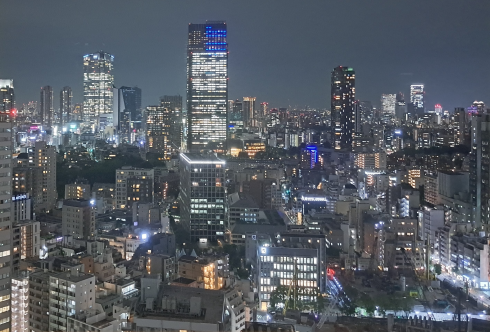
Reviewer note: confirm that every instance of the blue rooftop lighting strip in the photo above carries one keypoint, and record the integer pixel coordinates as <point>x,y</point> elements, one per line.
<point>216,39</point>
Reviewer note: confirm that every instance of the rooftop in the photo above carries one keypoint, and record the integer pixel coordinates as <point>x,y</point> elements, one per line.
<point>196,158</point>
<point>211,305</point>
<point>257,228</point>
<point>241,200</point>
<point>184,281</point>
<point>71,277</point>
<point>76,202</point>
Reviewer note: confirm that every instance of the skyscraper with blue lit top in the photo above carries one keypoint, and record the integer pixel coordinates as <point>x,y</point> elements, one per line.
<point>207,86</point>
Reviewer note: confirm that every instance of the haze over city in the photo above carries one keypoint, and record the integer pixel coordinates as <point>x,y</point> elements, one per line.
<point>281,52</point>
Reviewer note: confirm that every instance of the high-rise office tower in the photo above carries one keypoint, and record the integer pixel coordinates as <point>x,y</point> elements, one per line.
<point>417,98</point>
<point>45,157</point>
<point>357,117</point>
<point>388,103</point>
<point>66,97</point>
<point>480,171</point>
<point>5,220</point>
<point>158,123</point>
<point>7,97</point>
<point>132,101</point>
<point>400,107</point>
<point>438,109</point>
<point>264,107</point>
<point>248,109</point>
<point>121,119</point>
<point>235,115</point>
<point>98,81</point>
<point>46,102</point>
<point>343,93</point>
<point>77,112</point>
<point>207,86</point>
<point>366,111</point>
<point>174,105</point>
<point>462,126</point>
<point>202,196</point>
<point>479,105</point>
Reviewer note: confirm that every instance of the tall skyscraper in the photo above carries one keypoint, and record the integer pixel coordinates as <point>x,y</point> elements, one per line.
<point>462,126</point>
<point>480,171</point>
<point>174,105</point>
<point>417,98</point>
<point>46,102</point>
<point>249,111</point>
<point>207,85</point>
<point>157,125</point>
<point>45,157</point>
<point>98,81</point>
<point>357,117</point>
<point>5,220</point>
<point>438,109</point>
<point>203,196</point>
<point>132,101</point>
<point>66,97</point>
<point>366,111</point>
<point>479,105</point>
<point>7,97</point>
<point>264,108</point>
<point>400,107</point>
<point>343,93</point>
<point>388,103</point>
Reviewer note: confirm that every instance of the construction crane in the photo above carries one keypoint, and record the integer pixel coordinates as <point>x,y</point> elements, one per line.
<point>293,282</point>
<point>327,312</point>
<point>417,277</point>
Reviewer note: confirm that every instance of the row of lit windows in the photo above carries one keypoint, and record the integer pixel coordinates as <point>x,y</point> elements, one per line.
<point>289,259</point>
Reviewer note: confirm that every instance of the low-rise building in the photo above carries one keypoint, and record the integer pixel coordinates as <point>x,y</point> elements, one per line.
<point>212,271</point>
<point>77,191</point>
<point>163,265</point>
<point>193,309</point>
<point>104,266</point>
<point>242,209</point>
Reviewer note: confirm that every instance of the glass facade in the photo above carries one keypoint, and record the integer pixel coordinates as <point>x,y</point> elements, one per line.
<point>203,196</point>
<point>46,102</point>
<point>207,86</point>
<point>132,101</point>
<point>277,268</point>
<point>7,100</point>
<point>98,82</point>
<point>66,97</point>
<point>157,128</point>
<point>174,104</point>
<point>342,107</point>
<point>417,97</point>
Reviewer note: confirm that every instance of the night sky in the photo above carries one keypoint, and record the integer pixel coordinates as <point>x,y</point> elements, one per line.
<point>280,51</point>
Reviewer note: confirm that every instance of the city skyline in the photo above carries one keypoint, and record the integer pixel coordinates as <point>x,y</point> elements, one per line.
<point>219,166</point>
<point>258,65</point>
